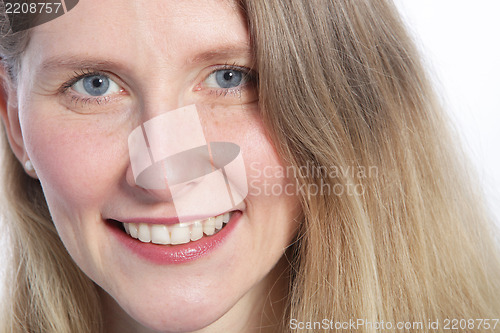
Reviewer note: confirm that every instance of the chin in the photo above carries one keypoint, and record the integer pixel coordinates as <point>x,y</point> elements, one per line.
<point>179,316</point>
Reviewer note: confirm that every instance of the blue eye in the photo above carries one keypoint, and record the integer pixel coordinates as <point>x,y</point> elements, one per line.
<point>96,85</point>
<point>226,79</point>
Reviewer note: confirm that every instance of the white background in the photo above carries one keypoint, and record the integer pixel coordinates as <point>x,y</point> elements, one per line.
<point>460,40</point>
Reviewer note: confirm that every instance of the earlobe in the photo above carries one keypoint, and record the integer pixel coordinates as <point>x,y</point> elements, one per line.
<point>10,116</point>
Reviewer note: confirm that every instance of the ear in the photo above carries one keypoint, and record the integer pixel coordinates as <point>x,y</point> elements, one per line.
<point>10,116</point>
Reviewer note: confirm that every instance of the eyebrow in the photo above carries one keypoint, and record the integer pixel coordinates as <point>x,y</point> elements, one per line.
<point>77,62</point>
<point>74,62</point>
<point>240,51</point>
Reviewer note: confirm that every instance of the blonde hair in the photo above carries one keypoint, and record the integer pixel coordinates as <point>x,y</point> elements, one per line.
<point>341,85</point>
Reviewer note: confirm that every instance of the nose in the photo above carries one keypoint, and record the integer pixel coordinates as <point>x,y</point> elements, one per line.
<point>171,160</point>
<point>158,188</point>
<point>173,176</point>
<point>168,150</point>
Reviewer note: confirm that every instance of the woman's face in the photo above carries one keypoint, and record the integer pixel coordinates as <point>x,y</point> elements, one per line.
<point>92,76</point>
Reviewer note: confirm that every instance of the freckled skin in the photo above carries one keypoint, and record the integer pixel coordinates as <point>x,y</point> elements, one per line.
<point>80,154</point>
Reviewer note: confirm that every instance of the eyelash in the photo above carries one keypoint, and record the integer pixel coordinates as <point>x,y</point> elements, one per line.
<point>77,76</point>
<point>249,76</point>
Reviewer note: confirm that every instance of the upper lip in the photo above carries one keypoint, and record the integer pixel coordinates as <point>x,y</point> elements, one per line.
<point>172,219</point>
<point>166,220</point>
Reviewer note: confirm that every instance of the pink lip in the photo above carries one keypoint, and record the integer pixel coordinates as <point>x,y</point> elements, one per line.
<point>174,254</point>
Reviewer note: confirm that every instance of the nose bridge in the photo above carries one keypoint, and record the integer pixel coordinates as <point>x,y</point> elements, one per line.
<point>160,94</point>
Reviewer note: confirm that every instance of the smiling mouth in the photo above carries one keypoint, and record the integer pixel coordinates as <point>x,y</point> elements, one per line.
<point>180,233</point>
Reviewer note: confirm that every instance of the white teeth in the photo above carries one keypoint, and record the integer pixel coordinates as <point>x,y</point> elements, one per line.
<point>144,233</point>
<point>196,230</point>
<point>133,230</point>
<point>209,226</point>
<point>127,227</point>
<point>218,222</point>
<point>180,233</point>
<point>160,234</point>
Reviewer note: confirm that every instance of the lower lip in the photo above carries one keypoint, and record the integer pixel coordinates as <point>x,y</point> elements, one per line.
<point>176,254</point>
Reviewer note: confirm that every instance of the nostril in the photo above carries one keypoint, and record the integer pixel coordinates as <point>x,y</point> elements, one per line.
<point>152,182</point>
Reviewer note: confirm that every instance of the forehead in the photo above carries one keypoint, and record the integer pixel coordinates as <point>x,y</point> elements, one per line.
<point>138,30</point>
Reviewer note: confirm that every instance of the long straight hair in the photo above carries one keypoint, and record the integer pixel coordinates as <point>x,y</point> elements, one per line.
<point>340,86</point>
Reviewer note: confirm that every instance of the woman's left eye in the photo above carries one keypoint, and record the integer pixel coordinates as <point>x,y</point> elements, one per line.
<point>226,79</point>
<point>96,85</point>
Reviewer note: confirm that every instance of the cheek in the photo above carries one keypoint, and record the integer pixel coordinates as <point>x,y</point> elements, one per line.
<point>272,191</point>
<point>244,127</point>
<point>266,174</point>
<point>75,160</point>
